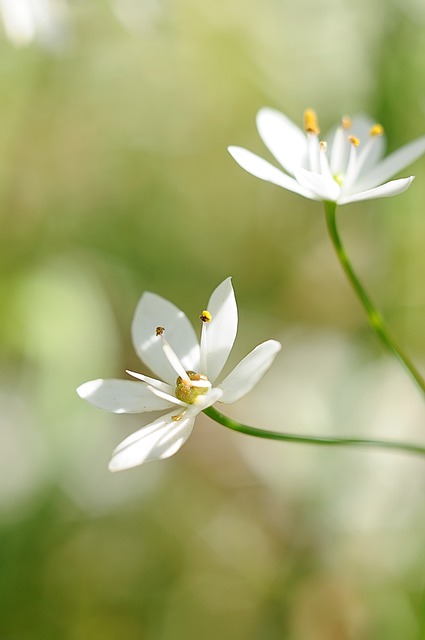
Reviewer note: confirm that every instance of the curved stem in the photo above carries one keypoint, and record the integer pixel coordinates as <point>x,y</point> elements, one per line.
<point>374,318</point>
<point>317,440</point>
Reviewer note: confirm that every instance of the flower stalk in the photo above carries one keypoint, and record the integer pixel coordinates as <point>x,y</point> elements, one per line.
<point>374,318</point>
<point>327,441</point>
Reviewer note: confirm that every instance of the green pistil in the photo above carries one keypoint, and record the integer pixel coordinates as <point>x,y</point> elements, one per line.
<point>185,392</point>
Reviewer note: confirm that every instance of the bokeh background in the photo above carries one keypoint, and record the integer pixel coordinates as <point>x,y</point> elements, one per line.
<point>114,179</point>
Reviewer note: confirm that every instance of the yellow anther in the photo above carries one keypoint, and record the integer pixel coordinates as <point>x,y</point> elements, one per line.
<point>206,316</point>
<point>310,122</point>
<point>323,145</point>
<point>376,130</point>
<point>346,122</point>
<point>159,331</point>
<point>354,141</point>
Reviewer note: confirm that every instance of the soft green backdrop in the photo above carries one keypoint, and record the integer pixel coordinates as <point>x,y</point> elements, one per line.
<point>114,179</point>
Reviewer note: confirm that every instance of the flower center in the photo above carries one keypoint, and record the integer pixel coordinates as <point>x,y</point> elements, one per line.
<point>187,392</point>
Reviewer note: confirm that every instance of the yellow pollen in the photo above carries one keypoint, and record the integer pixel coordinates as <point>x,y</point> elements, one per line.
<point>376,130</point>
<point>346,122</point>
<point>323,145</point>
<point>354,141</point>
<point>206,316</point>
<point>310,122</point>
<point>178,417</point>
<point>159,331</point>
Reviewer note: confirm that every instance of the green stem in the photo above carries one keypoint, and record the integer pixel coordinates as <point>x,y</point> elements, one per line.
<point>374,318</point>
<point>317,440</point>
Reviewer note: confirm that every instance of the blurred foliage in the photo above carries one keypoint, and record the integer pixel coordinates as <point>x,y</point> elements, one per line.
<point>114,179</point>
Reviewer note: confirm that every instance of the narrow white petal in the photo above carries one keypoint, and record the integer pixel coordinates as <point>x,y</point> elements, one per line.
<point>167,388</point>
<point>154,311</point>
<point>249,371</point>
<point>392,164</point>
<point>121,396</point>
<point>351,172</point>
<point>386,190</point>
<point>262,169</point>
<point>283,138</point>
<point>324,164</point>
<point>221,331</point>
<point>151,381</point>
<point>161,439</point>
<point>168,397</point>
<point>313,162</point>
<point>324,187</point>
<point>338,147</point>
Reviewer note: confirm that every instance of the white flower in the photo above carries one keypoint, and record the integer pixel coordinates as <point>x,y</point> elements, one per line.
<point>347,166</point>
<point>196,367</point>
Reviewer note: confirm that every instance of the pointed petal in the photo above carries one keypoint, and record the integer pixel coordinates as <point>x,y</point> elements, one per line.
<point>262,169</point>
<point>392,164</point>
<point>220,333</point>
<point>151,312</point>
<point>121,396</point>
<point>249,371</point>
<point>161,439</point>
<point>386,190</point>
<point>324,187</point>
<point>283,138</point>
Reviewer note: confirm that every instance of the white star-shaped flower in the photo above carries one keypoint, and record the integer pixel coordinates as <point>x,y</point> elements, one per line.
<point>165,340</point>
<point>346,166</point>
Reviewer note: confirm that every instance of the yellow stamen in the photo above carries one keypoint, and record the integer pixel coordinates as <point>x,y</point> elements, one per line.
<point>159,331</point>
<point>346,122</point>
<point>206,316</point>
<point>323,145</point>
<point>310,122</point>
<point>376,130</point>
<point>354,141</point>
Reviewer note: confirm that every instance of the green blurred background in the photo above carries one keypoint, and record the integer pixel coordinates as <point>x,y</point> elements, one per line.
<point>114,179</point>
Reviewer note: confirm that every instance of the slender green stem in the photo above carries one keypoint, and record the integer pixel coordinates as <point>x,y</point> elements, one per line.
<point>374,318</point>
<point>327,441</point>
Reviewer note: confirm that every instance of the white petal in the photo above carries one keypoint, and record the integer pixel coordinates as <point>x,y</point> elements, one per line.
<point>324,187</point>
<point>154,311</point>
<point>386,190</point>
<point>220,333</point>
<point>204,401</point>
<point>159,440</point>
<point>392,164</point>
<point>339,147</point>
<point>360,128</point>
<point>167,388</point>
<point>249,371</point>
<point>121,396</point>
<point>167,396</point>
<point>262,169</point>
<point>283,138</point>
